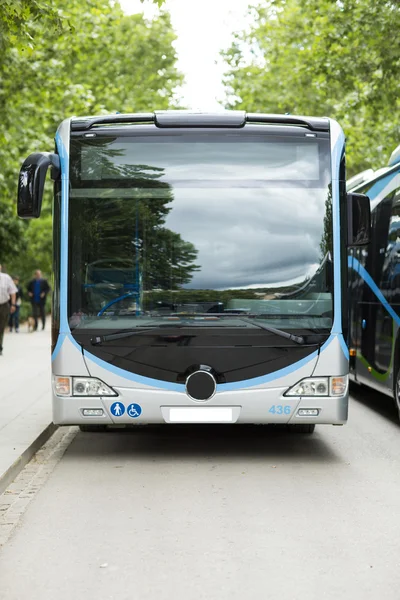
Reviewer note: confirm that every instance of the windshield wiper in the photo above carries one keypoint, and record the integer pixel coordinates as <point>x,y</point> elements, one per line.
<point>99,339</point>
<point>298,339</point>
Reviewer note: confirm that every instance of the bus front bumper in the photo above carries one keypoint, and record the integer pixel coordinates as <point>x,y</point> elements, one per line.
<point>143,407</point>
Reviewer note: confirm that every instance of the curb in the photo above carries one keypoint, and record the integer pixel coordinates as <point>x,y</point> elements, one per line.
<point>17,466</point>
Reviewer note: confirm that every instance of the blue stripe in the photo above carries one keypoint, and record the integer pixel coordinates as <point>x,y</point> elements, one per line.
<point>165,385</point>
<point>64,160</point>
<point>336,158</point>
<point>61,338</point>
<point>379,186</point>
<point>344,347</point>
<point>223,387</point>
<point>60,341</point>
<point>64,326</point>
<point>363,273</point>
<point>237,385</point>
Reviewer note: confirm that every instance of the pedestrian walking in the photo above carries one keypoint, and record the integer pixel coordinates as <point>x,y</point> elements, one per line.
<point>13,321</point>
<point>8,292</point>
<point>38,289</point>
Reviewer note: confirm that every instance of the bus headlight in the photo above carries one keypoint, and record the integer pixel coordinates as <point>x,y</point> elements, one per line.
<point>89,386</point>
<point>81,386</point>
<point>319,386</point>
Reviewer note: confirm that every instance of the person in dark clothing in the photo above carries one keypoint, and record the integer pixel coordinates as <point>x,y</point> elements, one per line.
<point>13,320</point>
<point>38,289</point>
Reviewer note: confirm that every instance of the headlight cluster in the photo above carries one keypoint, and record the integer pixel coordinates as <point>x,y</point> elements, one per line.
<point>81,386</point>
<point>319,386</point>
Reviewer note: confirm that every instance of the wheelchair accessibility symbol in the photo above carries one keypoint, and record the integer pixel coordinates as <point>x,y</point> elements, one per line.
<point>134,411</point>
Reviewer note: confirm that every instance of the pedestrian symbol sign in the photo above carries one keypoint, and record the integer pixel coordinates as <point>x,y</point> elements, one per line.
<point>134,411</point>
<point>117,409</point>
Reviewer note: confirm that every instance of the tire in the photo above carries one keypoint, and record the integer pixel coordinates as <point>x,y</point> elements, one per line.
<point>93,428</point>
<point>307,428</point>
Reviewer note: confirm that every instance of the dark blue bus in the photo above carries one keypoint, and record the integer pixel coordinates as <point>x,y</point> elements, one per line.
<point>374,285</point>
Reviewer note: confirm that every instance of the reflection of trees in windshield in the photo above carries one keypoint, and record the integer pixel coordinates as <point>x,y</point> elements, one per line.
<point>326,244</point>
<point>125,260</point>
<point>96,161</point>
<point>130,229</point>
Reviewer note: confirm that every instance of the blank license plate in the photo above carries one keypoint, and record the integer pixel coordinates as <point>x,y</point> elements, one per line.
<point>201,414</point>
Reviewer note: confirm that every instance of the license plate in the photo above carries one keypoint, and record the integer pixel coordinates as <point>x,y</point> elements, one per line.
<point>201,414</point>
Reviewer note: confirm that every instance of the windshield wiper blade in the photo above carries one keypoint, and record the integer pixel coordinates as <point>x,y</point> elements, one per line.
<point>99,339</point>
<point>298,339</point>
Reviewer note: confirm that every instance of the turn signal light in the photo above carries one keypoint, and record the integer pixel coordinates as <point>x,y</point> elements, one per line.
<point>338,385</point>
<point>62,386</point>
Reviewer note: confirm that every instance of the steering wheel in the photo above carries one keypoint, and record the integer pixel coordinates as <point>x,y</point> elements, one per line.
<point>127,295</point>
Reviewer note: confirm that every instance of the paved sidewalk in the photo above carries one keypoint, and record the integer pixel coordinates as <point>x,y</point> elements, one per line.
<point>25,400</point>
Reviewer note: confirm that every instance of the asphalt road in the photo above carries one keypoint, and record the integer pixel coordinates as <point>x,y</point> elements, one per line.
<point>217,512</point>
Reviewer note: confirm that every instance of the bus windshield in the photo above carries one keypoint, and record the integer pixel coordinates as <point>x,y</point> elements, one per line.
<point>200,227</point>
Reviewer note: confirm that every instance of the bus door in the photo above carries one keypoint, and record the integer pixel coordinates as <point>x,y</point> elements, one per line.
<point>373,322</point>
<point>386,325</point>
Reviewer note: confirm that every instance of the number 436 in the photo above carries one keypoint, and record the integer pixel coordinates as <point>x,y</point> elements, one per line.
<point>279,409</point>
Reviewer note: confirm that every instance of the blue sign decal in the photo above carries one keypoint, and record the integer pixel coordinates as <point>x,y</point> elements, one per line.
<point>134,411</point>
<point>117,409</point>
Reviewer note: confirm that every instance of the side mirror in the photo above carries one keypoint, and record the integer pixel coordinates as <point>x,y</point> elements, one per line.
<point>31,182</point>
<point>358,219</point>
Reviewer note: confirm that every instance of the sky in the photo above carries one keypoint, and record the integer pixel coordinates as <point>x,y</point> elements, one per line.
<point>204,28</point>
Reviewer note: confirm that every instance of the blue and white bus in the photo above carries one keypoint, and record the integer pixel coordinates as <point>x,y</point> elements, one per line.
<point>375,286</point>
<point>200,268</point>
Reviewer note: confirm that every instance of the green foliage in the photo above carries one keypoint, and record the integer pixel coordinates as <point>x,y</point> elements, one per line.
<point>318,57</point>
<point>63,59</point>
<point>16,17</point>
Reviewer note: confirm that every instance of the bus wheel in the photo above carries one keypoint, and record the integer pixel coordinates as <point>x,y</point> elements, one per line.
<point>93,428</point>
<point>302,428</point>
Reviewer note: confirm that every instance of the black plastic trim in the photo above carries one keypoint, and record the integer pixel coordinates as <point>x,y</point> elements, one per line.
<point>85,123</point>
<point>182,118</point>
<point>313,123</point>
<point>230,355</point>
<point>149,130</point>
<point>178,118</point>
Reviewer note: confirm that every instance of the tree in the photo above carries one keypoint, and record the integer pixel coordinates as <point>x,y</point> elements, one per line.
<point>16,17</point>
<point>70,59</point>
<point>338,59</point>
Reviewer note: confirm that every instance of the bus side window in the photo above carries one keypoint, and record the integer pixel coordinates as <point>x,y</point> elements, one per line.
<point>390,275</point>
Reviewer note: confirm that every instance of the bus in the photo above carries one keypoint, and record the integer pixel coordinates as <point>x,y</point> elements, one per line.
<point>374,287</point>
<point>200,268</point>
